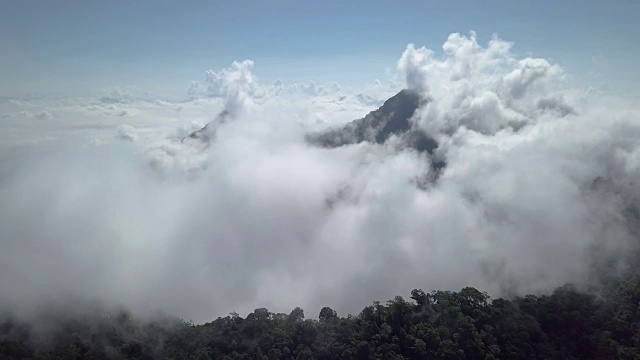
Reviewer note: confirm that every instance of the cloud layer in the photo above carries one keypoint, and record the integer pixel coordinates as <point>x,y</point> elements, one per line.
<point>537,176</point>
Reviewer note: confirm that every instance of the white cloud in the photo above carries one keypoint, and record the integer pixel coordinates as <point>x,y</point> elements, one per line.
<point>43,115</point>
<point>126,132</point>
<point>239,78</point>
<point>236,84</point>
<point>485,89</point>
<point>527,74</point>
<point>259,218</point>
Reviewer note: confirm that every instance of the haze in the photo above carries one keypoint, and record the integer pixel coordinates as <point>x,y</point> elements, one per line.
<point>101,198</point>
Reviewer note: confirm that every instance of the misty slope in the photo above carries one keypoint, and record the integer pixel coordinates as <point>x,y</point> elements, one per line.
<point>467,324</point>
<point>208,131</point>
<point>392,118</point>
<point>80,329</point>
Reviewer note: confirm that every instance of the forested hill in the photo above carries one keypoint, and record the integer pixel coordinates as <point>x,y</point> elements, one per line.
<point>567,324</point>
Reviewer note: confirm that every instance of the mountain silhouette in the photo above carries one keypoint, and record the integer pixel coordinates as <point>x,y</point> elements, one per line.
<point>392,118</point>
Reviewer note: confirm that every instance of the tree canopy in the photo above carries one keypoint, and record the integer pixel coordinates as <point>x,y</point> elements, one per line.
<point>566,324</point>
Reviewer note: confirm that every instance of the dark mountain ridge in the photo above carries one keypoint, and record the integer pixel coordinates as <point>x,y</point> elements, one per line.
<point>209,131</point>
<point>392,118</point>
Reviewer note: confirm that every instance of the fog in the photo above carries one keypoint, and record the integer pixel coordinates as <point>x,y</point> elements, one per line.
<point>103,199</point>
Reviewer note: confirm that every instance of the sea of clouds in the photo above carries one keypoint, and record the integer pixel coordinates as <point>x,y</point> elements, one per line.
<point>100,197</point>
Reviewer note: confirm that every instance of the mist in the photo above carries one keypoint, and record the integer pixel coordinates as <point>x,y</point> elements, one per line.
<point>538,188</point>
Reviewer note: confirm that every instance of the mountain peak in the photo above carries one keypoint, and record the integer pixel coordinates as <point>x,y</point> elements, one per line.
<point>209,130</point>
<point>392,118</point>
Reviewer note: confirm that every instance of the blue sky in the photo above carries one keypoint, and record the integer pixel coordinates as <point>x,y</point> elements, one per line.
<point>72,47</point>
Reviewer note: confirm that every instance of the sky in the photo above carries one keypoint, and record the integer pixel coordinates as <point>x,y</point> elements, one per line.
<point>71,48</point>
<point>103,195</point>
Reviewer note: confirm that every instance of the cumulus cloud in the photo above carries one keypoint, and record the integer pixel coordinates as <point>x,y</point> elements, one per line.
<point>238,80</point>
<point>537,179</point>
<point>236,84</point>
<point>43,115</point>
<point>126,132</point>
<point>116,96</point>
<point>196,90</point>
<point>485,89</point>
<point>528,73</point>
<point>121,95</point>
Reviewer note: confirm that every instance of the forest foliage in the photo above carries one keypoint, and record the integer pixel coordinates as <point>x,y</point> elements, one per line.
<point>467,324</point>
